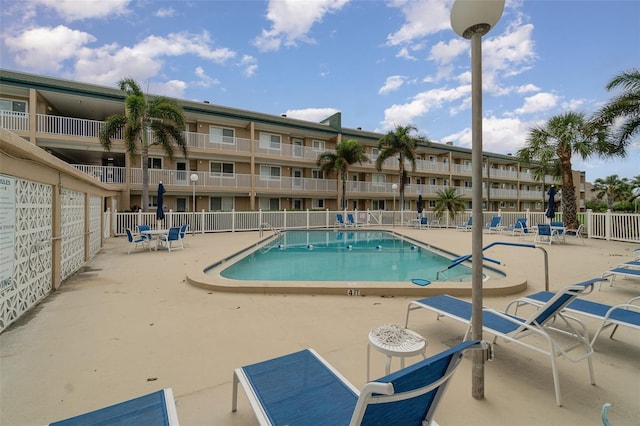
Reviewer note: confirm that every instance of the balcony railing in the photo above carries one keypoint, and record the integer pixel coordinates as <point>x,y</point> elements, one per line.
<point>295,184</point>
<point>107,174</point>
<point>14,121</point>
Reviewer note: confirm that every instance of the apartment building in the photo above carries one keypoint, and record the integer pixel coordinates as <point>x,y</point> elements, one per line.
<point>246,160</point>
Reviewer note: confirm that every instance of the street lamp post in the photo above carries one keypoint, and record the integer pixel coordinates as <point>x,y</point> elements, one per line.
<point>394,187</point>
<point>193,178</point>
<point>471,19</point>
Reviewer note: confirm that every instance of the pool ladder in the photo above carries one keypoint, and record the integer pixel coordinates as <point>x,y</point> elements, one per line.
<point>267,227</point>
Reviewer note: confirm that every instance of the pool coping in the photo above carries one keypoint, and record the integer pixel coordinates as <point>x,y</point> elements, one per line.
<point>512,282</point>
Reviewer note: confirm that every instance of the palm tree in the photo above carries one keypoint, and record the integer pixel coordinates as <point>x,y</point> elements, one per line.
<point>402,144</point>
<point>348,152</point>
<point>449,200</point>
<point>613,189</point>
<point>561,137</point>
<point>621,116</point>
<point>159,115</point>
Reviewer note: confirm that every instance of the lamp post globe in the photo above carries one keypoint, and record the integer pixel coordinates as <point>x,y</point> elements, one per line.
<point>193,178</point>
<point>471,19</point>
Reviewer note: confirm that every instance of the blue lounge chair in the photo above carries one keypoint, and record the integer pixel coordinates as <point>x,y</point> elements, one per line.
<point>516,329</point>
<point>545,234</point>
<point>466,226</point>
<point>303,389</point>
<point>626,314</point>
<point>157,408</point>
<point>183,234</point>
<point>633,264</point>
<point>494,225</point>
<point>173,236</point>
<point>352,222</point>
<point>520,227</point>
<point>340,220</point>
<point>135,240</point>
<point>625,272</point>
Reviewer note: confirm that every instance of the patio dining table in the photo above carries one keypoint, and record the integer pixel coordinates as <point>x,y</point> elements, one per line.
<point>155,234</point>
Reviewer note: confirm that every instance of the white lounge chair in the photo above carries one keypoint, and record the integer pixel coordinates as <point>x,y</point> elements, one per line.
<point>520,227</point>
<point>494,225</point>
<point>466,226</point>
<point>625,272</point>
<point>173,236</point>
<point>542,323</point>
<point>303,389</point>
<point>157,408</point>
<point>626,314</point>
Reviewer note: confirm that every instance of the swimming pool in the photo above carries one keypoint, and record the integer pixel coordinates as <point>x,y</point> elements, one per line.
<point>347,256</point>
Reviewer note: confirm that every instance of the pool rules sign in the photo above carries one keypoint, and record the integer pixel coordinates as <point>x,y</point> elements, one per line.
<point>7,229</point>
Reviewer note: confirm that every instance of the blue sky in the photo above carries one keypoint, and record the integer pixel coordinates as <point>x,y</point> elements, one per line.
<point>381,63</point>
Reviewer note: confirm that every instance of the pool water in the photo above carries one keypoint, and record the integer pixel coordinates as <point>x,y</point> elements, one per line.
<point>352,256</point>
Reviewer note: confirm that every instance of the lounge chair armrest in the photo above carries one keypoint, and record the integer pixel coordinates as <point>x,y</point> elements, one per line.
<point>633,300</point>
<point>522,301</point>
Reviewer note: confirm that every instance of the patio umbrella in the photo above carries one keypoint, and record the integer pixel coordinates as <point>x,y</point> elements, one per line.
<point>160,211</point>
<point>551,212</point>
<point>419,204</point>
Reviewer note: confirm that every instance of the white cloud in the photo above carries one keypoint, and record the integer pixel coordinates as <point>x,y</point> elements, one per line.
<point>404,54</point>
<point>500,135</point>
<point>527,88</point>
<point>72,10</point>
<point>392,84</point>
<point>423,17</point>
<point>292,20</point>
<point>250,65</point>
<point>45,48</point>
<point>444,53</point>
<point>311,114</point>
<point>205,80</point>
<point>404,114</point>
<point>165,12</point>
<point>538,102</point>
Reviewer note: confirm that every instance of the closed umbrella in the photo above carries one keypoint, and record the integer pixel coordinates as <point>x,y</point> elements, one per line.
<point>160,211</point>
<point>419,204</point>
<point>551,212</point>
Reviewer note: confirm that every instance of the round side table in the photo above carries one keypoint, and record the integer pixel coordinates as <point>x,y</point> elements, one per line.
<point>404,343</point>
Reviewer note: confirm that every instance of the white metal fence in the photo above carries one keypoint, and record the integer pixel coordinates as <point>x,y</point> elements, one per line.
<point>609,226</point>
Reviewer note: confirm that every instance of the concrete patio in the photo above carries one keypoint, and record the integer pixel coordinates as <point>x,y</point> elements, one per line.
<point>126,325</point>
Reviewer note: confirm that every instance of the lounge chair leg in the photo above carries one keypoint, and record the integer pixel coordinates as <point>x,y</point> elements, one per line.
<point>614,331</point>
<point>234,397</point>
<point>556,379</point>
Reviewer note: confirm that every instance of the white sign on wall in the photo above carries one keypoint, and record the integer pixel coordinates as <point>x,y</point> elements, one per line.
<point>7,229</point>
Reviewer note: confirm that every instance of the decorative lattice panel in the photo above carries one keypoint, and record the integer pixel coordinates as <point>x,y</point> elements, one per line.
<point>31,280</point>
<point>72,232</point>
<point>95,224</point>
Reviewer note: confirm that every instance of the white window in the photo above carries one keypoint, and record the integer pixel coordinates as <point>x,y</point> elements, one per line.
<point>374,153</point>
<point>467,163</point>
<point>467,184</point>
<point>432,204</point>
<point>418,181</point>
<point>220,204</point>
<point>377,204</point>
<point>297,204</point>
<point>270,141</point>
<point>445,182</point>
<point>378,179</point>
<point>218,168</point>
<point>538,206</point>
<point>317,203</point>
<point>269,204</point>
<point>12,105</point>
<point>527,205</point>
<point>269,173</point>
<point>502,204</point>
<point>433,159</point>
<point>317,174</point>
<point>153,200</point>
<point>155,162</point>
<point>512,205</point>
<point>445,160</point>
<point>318,145</point>
<point>433,181</point>
<point>221,135</point>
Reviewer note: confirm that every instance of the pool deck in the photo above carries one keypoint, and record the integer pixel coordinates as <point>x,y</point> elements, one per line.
<point>126,325</point>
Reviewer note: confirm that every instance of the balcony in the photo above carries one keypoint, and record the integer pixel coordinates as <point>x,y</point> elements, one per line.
<point>292,184</point>
<point>14,121</point>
